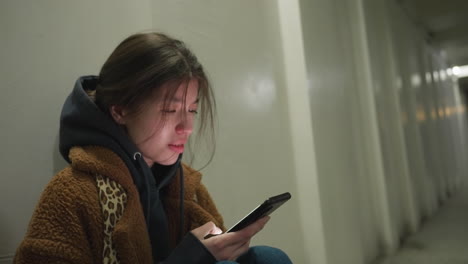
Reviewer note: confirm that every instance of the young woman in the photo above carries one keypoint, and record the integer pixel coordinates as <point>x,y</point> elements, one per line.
<point>126,197</point>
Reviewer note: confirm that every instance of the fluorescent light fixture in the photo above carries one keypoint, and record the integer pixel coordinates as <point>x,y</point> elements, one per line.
<point>436,76</point>
<point>442,75</point>
<point>415,80</point>
<point>449,71</point>
<point>460,71</point>
<point>428,77</point>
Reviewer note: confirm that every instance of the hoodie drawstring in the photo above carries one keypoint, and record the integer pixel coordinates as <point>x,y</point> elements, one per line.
<point>137,156</point>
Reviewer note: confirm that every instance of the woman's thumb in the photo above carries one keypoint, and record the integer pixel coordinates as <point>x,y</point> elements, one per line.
<point>208,228</point>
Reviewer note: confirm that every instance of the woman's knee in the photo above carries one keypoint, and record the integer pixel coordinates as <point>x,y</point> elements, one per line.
<point>265,254</point>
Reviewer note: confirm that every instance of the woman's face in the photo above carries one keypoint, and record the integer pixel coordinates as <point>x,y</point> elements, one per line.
<point>162,140</point>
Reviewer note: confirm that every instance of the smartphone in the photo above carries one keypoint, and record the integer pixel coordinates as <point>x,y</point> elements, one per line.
<point>264,209</point>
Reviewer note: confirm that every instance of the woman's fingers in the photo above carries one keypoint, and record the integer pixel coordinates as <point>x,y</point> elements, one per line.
<point>231,245</point>
<point>245,234</point>
<point>223,249</point>
<point>254,228</point>
<point>206,229</point>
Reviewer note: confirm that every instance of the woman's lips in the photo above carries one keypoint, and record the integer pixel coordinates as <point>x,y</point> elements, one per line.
<point>179,148</point>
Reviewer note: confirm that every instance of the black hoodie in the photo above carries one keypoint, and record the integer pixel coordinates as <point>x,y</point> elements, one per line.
<point>82,123</point>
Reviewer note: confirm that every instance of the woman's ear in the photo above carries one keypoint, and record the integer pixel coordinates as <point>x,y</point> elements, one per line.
<point>117,114</point>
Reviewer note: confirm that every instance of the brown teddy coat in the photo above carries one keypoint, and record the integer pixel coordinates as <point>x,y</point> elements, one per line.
<point>68,227</point>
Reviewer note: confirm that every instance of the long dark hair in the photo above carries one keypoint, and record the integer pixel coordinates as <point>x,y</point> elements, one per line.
<point>141,65</point>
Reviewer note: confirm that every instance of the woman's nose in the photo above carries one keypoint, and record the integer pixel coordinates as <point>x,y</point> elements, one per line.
<point>185,124</point>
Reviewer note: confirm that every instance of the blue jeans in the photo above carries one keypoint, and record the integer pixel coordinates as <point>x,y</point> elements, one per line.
<point>261,255</point>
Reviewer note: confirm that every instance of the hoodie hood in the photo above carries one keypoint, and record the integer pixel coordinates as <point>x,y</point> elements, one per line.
<point>83,123</point>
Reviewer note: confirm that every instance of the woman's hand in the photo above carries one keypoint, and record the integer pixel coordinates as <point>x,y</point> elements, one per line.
<point>228,246</point>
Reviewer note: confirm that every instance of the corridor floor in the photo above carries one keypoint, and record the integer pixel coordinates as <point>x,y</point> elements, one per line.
<point>443,239</point>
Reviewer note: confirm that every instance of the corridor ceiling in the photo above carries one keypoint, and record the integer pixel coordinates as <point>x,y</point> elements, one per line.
<point>446,24</point>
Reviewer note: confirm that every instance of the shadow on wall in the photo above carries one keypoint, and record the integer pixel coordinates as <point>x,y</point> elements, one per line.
<point>58,161</point>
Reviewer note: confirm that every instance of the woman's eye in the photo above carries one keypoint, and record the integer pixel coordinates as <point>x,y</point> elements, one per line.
<point>193,111</point>
<point>168,111</point>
